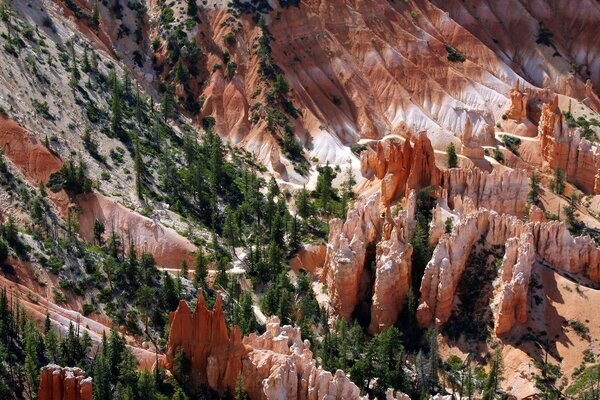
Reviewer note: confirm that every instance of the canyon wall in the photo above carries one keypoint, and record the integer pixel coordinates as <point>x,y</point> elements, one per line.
<point>64,383</point>
<point>549,242</point>
<point>347,253</point>
<point>563,147</point>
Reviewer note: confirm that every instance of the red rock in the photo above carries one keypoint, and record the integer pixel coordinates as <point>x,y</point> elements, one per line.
<point>518,103</point>
<point>309,258</point>
<point>64,383</point>
<point>563,147</point>
<point>203,336</point>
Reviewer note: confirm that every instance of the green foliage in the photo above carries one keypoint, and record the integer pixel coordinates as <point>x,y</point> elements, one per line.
<point>512,143</point>
<point>579,327</point>
<point>585,126</point>
<point>558,183</point>
<point>586,384</point>
<point>454,55</point>
<point>3,252</point>
<point>452,160</point>
<point>533,196</point>
<point>544,36</point>
<point>71,177</point>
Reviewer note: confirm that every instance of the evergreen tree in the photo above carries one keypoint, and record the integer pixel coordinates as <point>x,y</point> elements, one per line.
<point>98,231</point>
<point>85,63</point>
<point>139,170</point>
<point>200,270</point>
<point>167,104</point>
<point>557,185</point>
<point>184,268</point>
<point>101,389</point>
<point>247,319</point>
<point>533,196</point>
<point>32,364</point>
<point>324,191</point>
<point>75,75</point>
<point>240,393</point>
<point>221,280</point>
<point>116,105</point>
<point>95,15</point>
<point>494,378</point>
<point>169,293</point>
<point>192,8</point>
<point>452,160</point>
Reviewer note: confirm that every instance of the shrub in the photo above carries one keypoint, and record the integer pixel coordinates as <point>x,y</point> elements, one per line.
<point>454,55</point>
<point>579,327</point>
<point>512,143</point>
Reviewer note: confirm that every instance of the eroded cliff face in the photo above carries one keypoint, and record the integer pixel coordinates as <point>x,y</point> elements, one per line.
<point>548,242</point>
<point>215,353</point>
<point>401,167</point>
<point>393,267</point>
<point>347,253</point>
<point>274,365</point>
<point>64,383</point>
<point>516,274</point>
<point>563,147</point>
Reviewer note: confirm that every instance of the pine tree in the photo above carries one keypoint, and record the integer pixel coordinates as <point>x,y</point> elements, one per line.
<point>494,378</point>
<point>247,319</point>
<point>533,196</point>
<point>169,293</point>
<point>324,190</point>
<point>221,280</point>
<point>95,15</point>
<point>85,62</point>
<point>32,364</point>
<point>184,268</point>
<point>116,106</point>
<point>452,160</point>
<point>167,104</point>
<point>139,170</point>
<point>240,393</point>
<point>303,203</point>
<point>101,378</point>
<point>192,8</point>
<point>200,270</point>
<point>75,75</point>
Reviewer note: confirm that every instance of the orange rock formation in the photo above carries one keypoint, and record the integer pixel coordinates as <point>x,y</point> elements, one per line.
<point>58,383</point>
<point>274,365</point>
<point>551,242</point>
<point>518,103</point>
<point>563,147</point>
<point>215,354</point>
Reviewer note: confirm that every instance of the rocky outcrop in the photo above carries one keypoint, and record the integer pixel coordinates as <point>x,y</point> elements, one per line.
<point>347,253</point>
<point>516,274</point>
<point>564,148</point>
<point>503,191</point>
<point>148,235</point>
<point>550,242</point>
<point>309,258</point>
<point>405,167</point>
<point>444,270</point>
<point>401,167</point>
<point>280,366</point>
<point>32,158</point>
<point>518,103</point>
<point>591,98</point>
<point>64,383</point>
<point>274,365</point>
<point>215,353</point>
<point>393,267</point>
